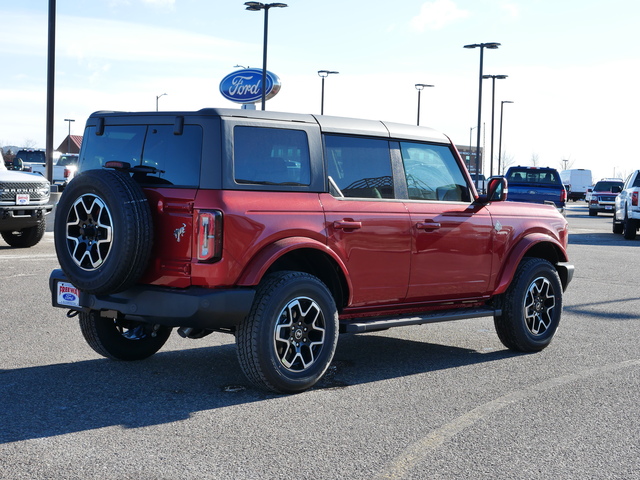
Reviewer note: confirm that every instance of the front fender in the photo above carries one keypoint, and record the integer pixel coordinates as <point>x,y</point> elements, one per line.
<point>536,245</point>
<point>260,264</point>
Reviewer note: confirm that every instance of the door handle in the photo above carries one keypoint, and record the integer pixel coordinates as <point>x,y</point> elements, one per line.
<point>428,226</point>
<point>347,225</point>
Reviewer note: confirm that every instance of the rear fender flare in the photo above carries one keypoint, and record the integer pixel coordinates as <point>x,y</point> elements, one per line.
<point>260,264</point>
<point>525,245</point>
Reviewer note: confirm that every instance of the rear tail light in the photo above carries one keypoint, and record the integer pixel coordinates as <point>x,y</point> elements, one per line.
<point>209,236</point>
<point>563,195</point>
<point>634,199</point>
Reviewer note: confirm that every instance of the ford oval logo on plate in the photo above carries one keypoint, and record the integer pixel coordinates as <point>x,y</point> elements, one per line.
<point>245,86</point>
<point>69,297</point>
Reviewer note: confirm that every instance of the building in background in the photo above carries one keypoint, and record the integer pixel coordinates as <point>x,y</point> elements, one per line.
<point>71,144</point>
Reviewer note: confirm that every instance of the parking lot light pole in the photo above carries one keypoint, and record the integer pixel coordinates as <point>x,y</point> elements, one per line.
<point>69,136</point>
<point>482,46</point>
<point>493,108</point>
<point>255,7</point>
<point>471,129</point>
<point>157,97</point>
<point>420,87</point>
<point>324,74</point>
<point>500,142</point>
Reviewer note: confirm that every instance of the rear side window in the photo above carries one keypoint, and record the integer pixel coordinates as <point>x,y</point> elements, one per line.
<point>359,167</point>
<point>432,173</point>
<point>271,156</point>
<point>175,158</point>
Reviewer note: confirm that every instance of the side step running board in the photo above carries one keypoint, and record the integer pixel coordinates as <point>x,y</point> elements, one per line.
<point>382,323</point>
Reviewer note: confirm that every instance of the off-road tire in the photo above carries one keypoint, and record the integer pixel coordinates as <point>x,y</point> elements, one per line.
<point>630,227</point>
<point>288,340</point>
<point>618,227</point>
<point>26,237</point>
<point>121,340</point>
<point>103,231</point>
<point>531,307</point>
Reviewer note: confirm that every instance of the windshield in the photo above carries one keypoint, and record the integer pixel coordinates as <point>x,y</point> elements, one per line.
<point>606,186</point>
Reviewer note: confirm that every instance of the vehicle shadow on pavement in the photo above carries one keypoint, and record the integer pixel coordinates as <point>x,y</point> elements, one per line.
<point>602,310</point>
<point>370,358</point>
<point>51,400</point>
<point>601,239</point>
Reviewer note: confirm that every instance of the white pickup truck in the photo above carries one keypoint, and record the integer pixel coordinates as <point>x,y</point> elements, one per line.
<point>64,167</point>
<point>626,217</point>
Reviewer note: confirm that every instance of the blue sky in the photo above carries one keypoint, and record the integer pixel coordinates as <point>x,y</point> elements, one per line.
<point>572,66</point>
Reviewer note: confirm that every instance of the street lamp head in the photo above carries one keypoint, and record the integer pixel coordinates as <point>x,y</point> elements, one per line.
<point>499,77</point>
<point>420,86</point>
<point>491,45</point>
<point>507,101</point>
<point>326,73</point>
<point>256,6</point>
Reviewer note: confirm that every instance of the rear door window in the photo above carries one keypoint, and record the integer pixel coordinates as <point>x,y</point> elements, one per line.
<point>359,167</point>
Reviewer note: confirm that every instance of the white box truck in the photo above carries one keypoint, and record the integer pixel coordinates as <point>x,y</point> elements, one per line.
<point>576,181</point>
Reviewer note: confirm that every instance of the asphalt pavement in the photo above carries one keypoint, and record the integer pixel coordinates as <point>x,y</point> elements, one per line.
<point>442,401</point>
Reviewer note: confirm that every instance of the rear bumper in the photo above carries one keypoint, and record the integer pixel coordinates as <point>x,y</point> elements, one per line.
<point>194,307</point>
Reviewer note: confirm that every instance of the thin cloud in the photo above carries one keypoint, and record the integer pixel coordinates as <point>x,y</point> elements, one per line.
<point>436,15</point>
<point>160,3</point>
<point>512,10</point>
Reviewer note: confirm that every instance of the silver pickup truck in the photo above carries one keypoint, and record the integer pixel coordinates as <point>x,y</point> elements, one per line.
<point>64,167</point>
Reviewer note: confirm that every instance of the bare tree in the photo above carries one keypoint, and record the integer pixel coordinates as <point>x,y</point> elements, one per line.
<point>506,160</point>
<point>29,143</point>
<point>535,160</point>
<point>566,163</point>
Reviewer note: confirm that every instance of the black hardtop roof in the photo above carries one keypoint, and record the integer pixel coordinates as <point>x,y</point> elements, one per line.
<point>327,124</point>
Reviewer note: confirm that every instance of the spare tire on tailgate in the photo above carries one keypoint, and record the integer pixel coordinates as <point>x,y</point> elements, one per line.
<point>103,231</point>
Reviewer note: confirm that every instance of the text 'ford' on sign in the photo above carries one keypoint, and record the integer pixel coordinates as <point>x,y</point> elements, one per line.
<point>245,86</point>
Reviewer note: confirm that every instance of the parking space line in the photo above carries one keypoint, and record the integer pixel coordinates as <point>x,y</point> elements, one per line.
<point>417,452</point>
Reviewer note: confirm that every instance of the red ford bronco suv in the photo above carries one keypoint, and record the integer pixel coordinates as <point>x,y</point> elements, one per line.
<point>286,230</point>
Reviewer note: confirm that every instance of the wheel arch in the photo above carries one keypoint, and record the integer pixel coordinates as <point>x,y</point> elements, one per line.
<point>536,246</point>
<point>303,255</point>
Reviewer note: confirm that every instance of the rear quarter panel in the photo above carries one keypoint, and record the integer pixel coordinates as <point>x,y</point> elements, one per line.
<point>252,222</point>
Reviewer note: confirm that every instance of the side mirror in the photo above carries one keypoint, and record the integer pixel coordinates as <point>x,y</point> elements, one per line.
<point>497,190</point>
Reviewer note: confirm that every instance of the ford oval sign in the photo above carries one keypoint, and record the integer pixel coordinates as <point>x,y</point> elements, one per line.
<point>245,86</point>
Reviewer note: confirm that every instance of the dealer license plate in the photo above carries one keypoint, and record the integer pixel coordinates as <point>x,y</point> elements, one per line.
<point>67,294</point>
<point>22,199</point>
